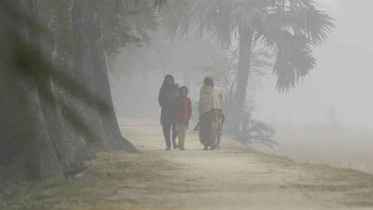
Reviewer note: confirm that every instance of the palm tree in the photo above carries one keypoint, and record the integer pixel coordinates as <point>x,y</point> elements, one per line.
<point>289,28</point>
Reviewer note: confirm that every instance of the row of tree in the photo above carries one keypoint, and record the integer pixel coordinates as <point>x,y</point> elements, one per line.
<point>56,100</point>
<point>287,28</point>
<point>54,80</point>
<point>275,35</point>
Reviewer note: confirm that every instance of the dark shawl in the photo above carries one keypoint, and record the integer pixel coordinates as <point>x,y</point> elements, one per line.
<point>166,94</point>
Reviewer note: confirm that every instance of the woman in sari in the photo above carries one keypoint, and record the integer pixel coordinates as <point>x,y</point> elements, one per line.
<point>169,91</point>
<point>210,114</point>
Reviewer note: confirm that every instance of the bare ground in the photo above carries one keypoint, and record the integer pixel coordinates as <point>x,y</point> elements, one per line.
<point>233,177</point>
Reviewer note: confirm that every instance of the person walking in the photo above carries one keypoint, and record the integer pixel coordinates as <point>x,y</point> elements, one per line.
<point>210,114</point>
<point>168,92</point>
<point>182,109</point>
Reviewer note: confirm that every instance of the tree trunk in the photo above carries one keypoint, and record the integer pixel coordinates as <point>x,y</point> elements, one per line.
<point>71,152</point>
<point>101,84</point>
<point>245,39</point>
<point>40,157</point>
<point>71,145</point>
<point>83,65</point>
<point>39,153</point>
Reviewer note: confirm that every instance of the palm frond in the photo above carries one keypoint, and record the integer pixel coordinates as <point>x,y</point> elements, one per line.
<point>246,14</point>
<point>175,18</point>
<point>294,60</point>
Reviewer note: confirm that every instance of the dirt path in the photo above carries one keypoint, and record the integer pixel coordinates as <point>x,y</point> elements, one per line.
<point>230,178</point>
<point>237,178</point>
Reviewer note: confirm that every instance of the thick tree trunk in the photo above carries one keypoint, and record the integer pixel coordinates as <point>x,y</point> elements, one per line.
<point>71,146</point>
<point>23,101</point>
<point>40,156</point>
<point>101,84</point>
<point>10,135</point>
<point>39,153</point>
<point>84,71</point>
<point>242,79</point>
<point>70,151</point>
<point>61,29</point>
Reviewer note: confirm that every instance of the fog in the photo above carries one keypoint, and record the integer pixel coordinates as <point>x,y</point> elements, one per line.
<point>330,108</point>
<point>341,81</point>
<point>189,104</point>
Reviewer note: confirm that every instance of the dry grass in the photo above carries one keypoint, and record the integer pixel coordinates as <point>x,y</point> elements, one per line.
<point>133,181</point>
<point>349,149</point>
<point>95,188</point>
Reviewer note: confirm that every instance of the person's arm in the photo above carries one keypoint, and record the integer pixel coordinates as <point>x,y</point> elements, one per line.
<point>161,100</point>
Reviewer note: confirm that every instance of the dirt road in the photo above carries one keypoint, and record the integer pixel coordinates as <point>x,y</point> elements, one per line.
<point>237,178</point>
<point>233,177</point>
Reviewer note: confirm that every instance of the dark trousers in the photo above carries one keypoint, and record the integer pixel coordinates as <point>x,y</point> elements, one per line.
<point>167,126</point>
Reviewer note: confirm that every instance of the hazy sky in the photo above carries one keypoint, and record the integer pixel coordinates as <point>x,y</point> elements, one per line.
<point>342,80</point>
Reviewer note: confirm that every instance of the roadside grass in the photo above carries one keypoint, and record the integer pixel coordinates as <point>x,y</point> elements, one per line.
<point>94,188</point>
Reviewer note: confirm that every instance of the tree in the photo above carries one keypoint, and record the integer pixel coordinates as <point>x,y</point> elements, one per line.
<point>20,70</point>
<point>288,27</point>
<point>64,113</point>
<point>93,62</point>
<point>222,65</point>
<point>46,98</point>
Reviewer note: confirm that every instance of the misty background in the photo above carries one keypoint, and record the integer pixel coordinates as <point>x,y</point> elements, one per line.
<point>327,118</point>
<point>80,115</point>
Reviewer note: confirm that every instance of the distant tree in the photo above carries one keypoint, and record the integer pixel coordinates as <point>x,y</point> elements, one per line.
<point>332,118</point>
<point>222,65</point>
<point>288,27</point>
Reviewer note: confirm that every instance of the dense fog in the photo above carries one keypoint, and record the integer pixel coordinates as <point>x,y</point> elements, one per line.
<point>328,109</point>
<point>186,104</point>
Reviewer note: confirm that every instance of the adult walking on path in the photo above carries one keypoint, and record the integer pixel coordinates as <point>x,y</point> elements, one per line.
<point>168,92</point>
<point>210,114</point>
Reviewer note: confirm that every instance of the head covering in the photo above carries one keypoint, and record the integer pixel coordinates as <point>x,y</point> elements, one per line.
<point>168,92</point>
<point>210,99</point>
<point>168,76</point>
<point>187,91</point>
<point>209,78</point>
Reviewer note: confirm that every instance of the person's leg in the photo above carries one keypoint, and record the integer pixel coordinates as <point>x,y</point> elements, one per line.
<point>166,132</point>
<point>219,136</point>
<point>203,135</point>
<point>174,135</point>
<point>215,129</point>
<point>183,136</point>
<point>179,133</point>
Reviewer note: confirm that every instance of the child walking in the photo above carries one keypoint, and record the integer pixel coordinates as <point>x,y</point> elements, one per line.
<point>182,109</point>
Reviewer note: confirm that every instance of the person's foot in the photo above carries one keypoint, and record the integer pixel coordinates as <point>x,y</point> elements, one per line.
<point>206,148</point>
<point>181,147</point>
<point>218,146</point>
<point>174,144</point>
<point>168,148</point>
<point>213,147</point>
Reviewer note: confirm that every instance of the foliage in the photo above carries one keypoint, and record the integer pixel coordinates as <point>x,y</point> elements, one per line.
<point>127,22</point>
<point>288,27</point>
<point>222,65</point>
<point>253,131</point>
